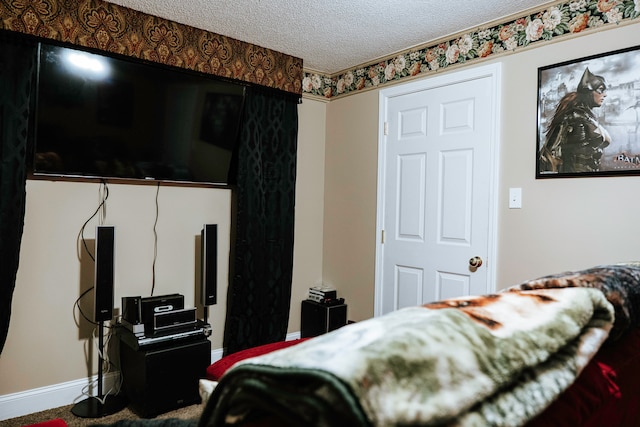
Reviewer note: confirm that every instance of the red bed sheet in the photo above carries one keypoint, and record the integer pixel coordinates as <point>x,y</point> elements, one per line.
<point>607,392</point>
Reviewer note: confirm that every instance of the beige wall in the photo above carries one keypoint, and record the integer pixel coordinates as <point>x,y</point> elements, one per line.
<point>564,224</point>
<point>45,347</point>
<point>350,200</point>
<point>309,231</point>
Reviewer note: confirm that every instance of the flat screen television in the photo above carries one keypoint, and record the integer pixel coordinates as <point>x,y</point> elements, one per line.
<point>99,116</point>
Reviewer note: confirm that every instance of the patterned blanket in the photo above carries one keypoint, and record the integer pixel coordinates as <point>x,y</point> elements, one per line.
<point>493,360</point>
<point>620,284</point>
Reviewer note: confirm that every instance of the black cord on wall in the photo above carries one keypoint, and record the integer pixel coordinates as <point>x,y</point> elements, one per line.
<point>102,209</point>
<point>155,242</point>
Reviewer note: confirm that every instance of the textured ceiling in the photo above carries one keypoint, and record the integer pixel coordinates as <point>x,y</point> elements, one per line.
<point>334,35</point>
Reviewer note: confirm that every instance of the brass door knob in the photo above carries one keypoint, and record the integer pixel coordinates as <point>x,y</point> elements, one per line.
<point>475,262</point>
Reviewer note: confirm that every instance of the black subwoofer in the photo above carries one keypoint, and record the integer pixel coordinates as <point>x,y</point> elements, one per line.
<point>166,378</point>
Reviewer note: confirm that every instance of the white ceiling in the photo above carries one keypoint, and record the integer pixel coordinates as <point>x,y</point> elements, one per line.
<point>334,35</point>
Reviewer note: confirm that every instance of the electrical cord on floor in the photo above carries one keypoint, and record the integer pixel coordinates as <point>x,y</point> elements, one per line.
<point>106,369</point>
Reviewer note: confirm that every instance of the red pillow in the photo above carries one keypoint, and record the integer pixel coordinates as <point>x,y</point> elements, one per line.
<point>215,370</point>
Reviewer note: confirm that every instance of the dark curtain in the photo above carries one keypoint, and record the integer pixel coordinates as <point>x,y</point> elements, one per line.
<point>17,66</point>
<point>264,174</point>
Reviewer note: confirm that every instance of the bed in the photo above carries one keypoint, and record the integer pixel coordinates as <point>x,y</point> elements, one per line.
<point>561,350</point>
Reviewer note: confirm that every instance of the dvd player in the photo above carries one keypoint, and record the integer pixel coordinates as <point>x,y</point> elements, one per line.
<point>200,330</point>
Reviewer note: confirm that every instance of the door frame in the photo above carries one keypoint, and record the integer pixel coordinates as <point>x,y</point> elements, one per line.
<point>493,71</point>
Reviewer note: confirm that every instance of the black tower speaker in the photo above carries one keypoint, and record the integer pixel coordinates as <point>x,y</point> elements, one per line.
<point>101,405</point>
<point>209,254</point>
<point>103,282</point>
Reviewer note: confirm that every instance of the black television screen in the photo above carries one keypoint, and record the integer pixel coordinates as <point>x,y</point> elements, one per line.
<point>110,117</point>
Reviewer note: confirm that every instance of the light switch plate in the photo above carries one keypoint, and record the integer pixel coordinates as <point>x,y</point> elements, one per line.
<point>515,198</point>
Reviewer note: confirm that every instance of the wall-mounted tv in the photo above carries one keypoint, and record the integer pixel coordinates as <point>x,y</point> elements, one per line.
<point>101,116</point>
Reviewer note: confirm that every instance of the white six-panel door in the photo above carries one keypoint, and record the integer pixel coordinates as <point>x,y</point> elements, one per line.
<point>438,159</point>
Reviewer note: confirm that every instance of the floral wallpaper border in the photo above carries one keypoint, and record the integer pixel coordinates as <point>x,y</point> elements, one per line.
<point>566,18</point>
<point>109,27</point>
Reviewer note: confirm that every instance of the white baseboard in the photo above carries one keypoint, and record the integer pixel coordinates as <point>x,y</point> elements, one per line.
<point>53,396</point>
<point>56,395</point>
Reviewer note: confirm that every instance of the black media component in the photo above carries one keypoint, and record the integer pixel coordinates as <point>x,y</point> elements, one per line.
<point>132,310</point>
<point>174,320</point>
<point>109,116</point>
<point>165,377</point>
<point>103,280</point>
<point>209,262</point>
<point>186,333</point>
<point>318,318</point>
<point>150,306</point>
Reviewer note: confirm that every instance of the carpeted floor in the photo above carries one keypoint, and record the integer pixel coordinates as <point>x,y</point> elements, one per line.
<point>64,412</point>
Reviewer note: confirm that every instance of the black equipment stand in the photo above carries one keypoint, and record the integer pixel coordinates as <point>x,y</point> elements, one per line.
<point>99,406</point>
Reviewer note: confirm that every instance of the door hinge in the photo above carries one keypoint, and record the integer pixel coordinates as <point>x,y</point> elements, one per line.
<point>382,237</point>
<point>386,128</point>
